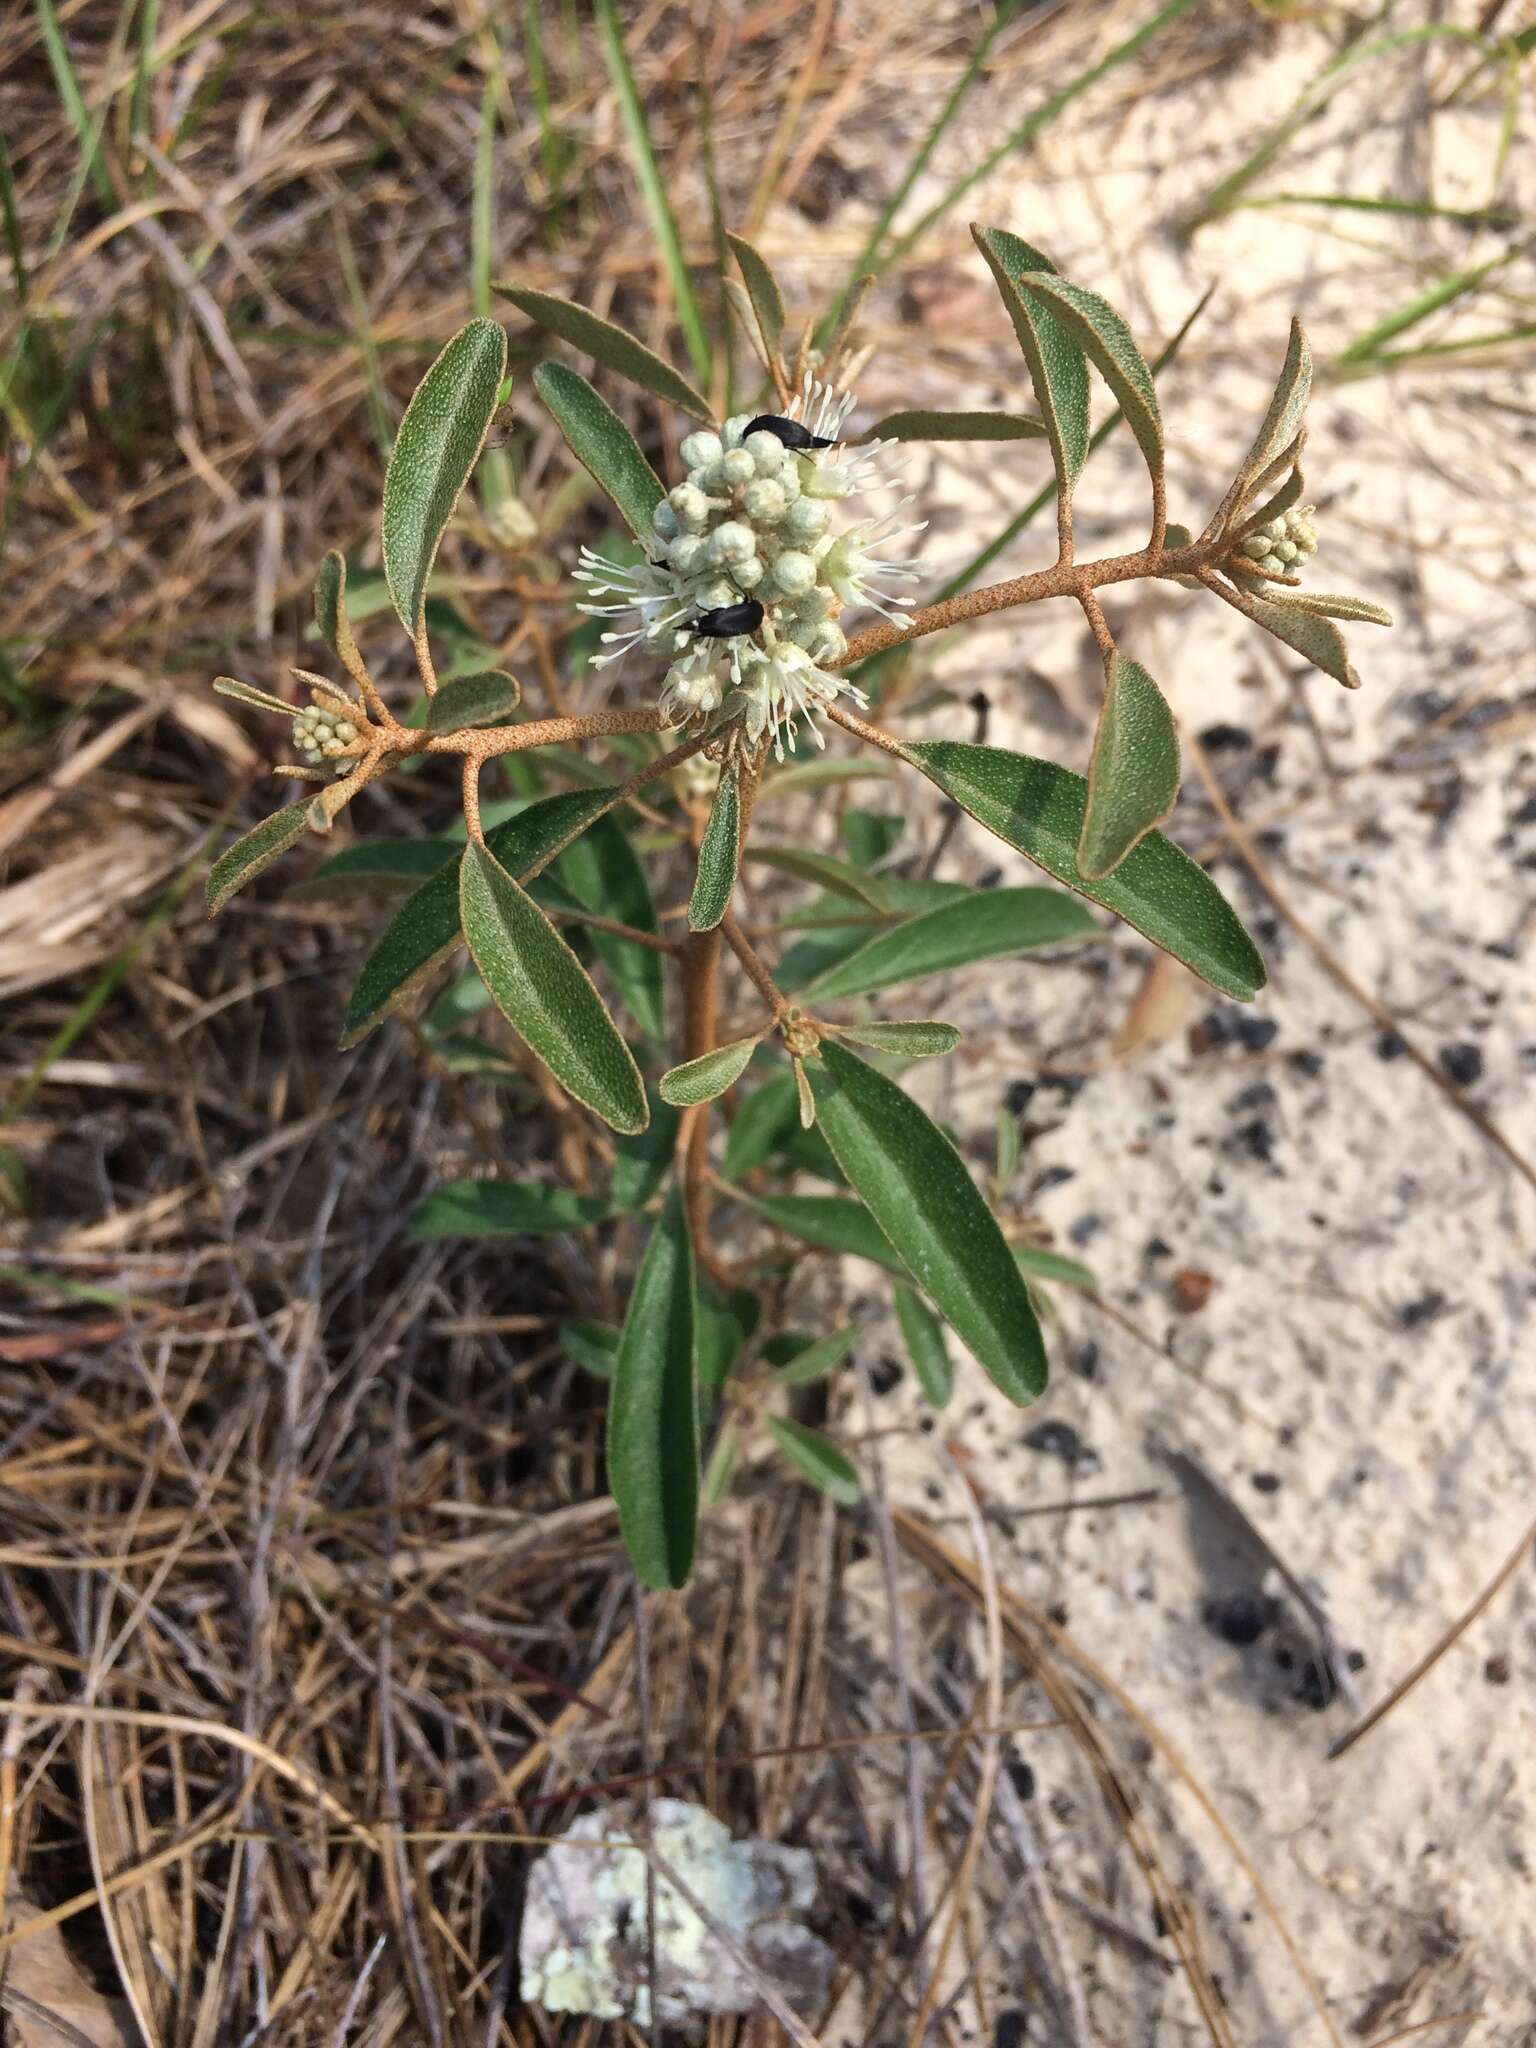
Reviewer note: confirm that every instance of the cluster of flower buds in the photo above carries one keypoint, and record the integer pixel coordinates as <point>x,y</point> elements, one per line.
<point>322,736</point>
<point>1281,545</point>
<point>747,581</point>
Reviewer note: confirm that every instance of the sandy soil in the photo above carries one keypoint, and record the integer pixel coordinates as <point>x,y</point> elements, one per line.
<point>1329,1267</point>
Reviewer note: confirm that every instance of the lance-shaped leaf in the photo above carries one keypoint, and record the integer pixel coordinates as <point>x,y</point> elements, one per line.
<point>1282,423</point>
<point>815,1459</point>
<point>913,1039</point>
<point>825,870</point>
<point>740,303</point>
<point>1038,1264</point>
<point>1312,634</point>
<point>247,693</point>
<point>503,1208</point>
<point>244,861</point>
<point>1332,604</point>
<point>606,344</point>
<point>1057,365</point>
<point>797,1361</point>
<point>762,289</point>
<point>437,447</point>
<point>701,1080</point>
<point>545,994</point>
<point>375,867</point>
<point>463,702</point>
<point>1133,778</point>
<point>601,871</point>
<point>985,925</point>
<point>653,1420</point>
<point>923,1335</point>
<point>1038,808</point>
<point>714,880</point>
<point>592,1345</point>
<point>832,1223</point>
<point>916,1187</point>
<point>331,613</point>
<point>602,444</point>
<point>1109,344</point>
<point>955,426</point>
<point>426,926</point>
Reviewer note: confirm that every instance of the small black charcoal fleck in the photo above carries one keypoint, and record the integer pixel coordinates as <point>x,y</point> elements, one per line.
<point>1308,1063</point>
<point>1256,1032</point>
<point>1018,1096</point>
<point>1391,1046</point>
<point>1424,1309</point>
<point>1240,1618</point>
<point>1061,1440</point>
<point>1266,1482</point>
<point>884,1374</point>
<point>1462,1063</point>
<point>1022,1778</point>
<point>1225,739</point>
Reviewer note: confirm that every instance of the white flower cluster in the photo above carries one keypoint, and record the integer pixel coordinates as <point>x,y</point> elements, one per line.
<point>321,736</point>
<point>1281,545</point>
<point>750,526</point>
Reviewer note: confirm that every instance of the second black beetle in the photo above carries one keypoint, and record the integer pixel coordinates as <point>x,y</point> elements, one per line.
<point>790,432</point>
<point>726,621</point>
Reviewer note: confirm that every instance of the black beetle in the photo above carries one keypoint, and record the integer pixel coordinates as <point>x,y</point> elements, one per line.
<point>790,432</point>
<point>727,620</point>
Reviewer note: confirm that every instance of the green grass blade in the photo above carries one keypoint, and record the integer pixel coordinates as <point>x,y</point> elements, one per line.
<point>653,190</point>
<point>87,132</point>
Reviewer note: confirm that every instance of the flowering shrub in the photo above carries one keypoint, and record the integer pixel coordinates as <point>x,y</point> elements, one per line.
<point>732,626</point>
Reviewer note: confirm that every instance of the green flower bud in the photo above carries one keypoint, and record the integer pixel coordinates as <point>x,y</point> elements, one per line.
<point>664,520</point>
<point>749,573</point>
<point>737,468</point>
<point>688,554</point>
<point>731,541</point>
<point>764,502</point>
<point>794,573</point>
<point>700,448</point>
<point>691,507</point>
<point>733,430</point>
<point>805,520</point>
<point>768,453</point>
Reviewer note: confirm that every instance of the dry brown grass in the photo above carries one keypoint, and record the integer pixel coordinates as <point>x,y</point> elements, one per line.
<point>312,1612</point>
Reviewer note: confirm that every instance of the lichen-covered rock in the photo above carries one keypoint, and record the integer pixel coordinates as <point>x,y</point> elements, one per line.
<point>584,1945</point>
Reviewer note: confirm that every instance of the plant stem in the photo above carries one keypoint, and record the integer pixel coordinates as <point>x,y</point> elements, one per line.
<point>752,961</point>
<point>1064,579</point>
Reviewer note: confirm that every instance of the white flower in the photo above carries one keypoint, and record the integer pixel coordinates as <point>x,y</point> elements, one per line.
<point>749,525</point>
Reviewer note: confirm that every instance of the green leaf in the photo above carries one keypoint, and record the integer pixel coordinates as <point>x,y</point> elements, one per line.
<point>606,344</point>
<point>912,1040</point>
<point>816,1460</point>
<point>244,861</point>
<point>246,693</point>
<point>726,1323</point>
<point>653,1419</point>
<point>502,1208</point>
<point>1109,344</point>
<point>1282,423</point>
<point>824,869</point>
<point>923,1334</point>
<point>592,1346</point>
<point>701,1080</point>
<point>466,701</point>
<point>602,444</point>
<point>762,289</point>
<point>798,1362</point>
<point>760,1125</point>
<point>715,878</point>
<point>985,925</point>
<point>721,1469</point>
<point>1133,778</point>
<point>602,872</point>
<point>641,1163</point>
<point>1037,1264</point>
<point>426,926</point>
<point>1038,808</point>
<point>1313,635</point>
<point>544,993</point>
<point>437,447</point>
<point>1057,365</point>
<point>1329,604</point>
<point>916,1187</point>
<point>956,426</point>
<point>331,612</point>
<point>833,1223</point>
<point>374,867</point>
